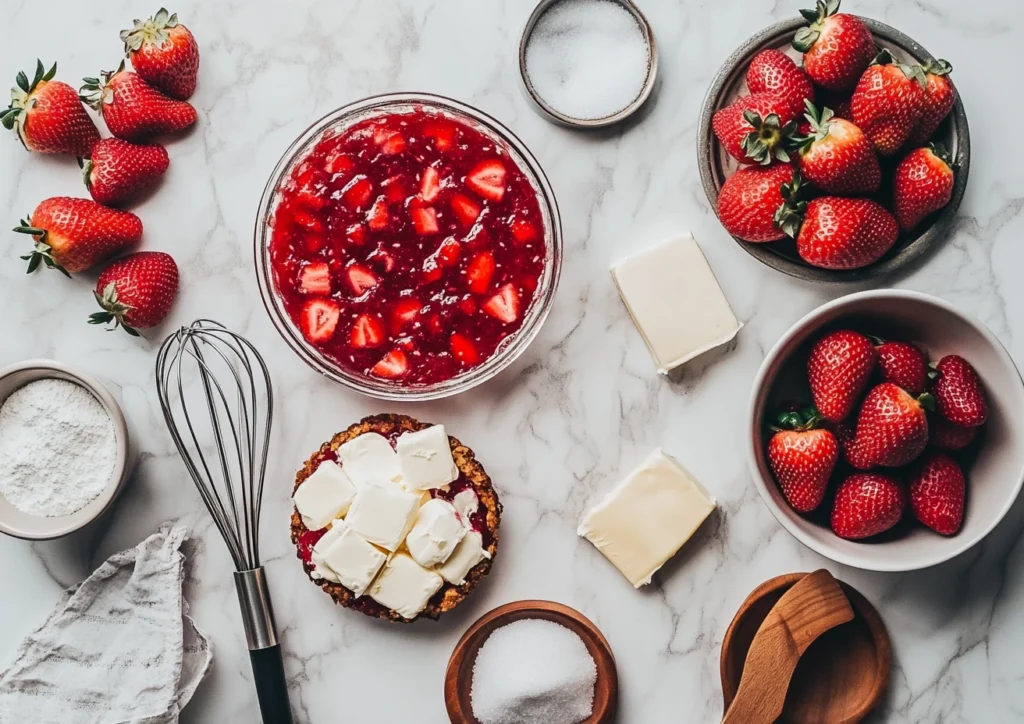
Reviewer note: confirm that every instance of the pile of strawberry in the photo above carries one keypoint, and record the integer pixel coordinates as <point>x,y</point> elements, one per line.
<point>894,432</point>
<point>72,235</point>
<point>819,179</point>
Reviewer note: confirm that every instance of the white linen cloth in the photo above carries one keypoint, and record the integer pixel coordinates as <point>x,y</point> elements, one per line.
<point>119,648</point>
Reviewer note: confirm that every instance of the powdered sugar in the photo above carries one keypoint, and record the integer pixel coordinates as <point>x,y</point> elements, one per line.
<point>58,448</point>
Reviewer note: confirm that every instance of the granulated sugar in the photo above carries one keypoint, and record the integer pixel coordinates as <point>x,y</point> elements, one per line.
<point>587,59</point>
<point>533,671</point>
<point>57,448</point>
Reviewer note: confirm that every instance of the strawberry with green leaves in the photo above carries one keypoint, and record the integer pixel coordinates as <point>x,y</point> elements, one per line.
<point>866,505</point>
<point>133,109</point>
<point>755,129</point>
<point>802,457</point>
<point>922,184</point>
<point>888,102</point>
<point>164,54</point>
<point>837,47</point>
<point>836,156</point>
<point>117,171</point>
<point>48,116</point>
<point>892,428</point>
<point>772,71</point>
<point>939,99</point>
<point>136,291</point>
<point>750,200</point>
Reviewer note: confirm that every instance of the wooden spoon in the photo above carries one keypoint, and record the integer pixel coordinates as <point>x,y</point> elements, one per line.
<point>810,608</point>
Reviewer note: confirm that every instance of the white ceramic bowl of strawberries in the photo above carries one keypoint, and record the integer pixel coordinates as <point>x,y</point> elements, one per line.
<point>891,492</point>
<point>834,147</point>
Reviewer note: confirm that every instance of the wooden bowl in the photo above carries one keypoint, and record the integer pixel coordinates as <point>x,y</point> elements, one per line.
<point>840,678</point>
<point>716,165</point>
<point>458,678</point>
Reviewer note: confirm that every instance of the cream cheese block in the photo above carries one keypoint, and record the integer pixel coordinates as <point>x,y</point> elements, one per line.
<point>435,533</point>
<point>675,301</point>
<point>383,513</point>
<point>466,555</point>
<point>426,459</point>
<point>353,560</point>
<point>648,517</point>
<point>405,586</point>
<point>324,496</point>
<point>370,458</point>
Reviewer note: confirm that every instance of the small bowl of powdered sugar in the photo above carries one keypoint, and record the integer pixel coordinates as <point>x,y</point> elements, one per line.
<point>63,449</point>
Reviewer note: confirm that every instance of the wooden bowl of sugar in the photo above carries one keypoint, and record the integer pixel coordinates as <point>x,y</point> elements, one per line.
<point>458,685</point>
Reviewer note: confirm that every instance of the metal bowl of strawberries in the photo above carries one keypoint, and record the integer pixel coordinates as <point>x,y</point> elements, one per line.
<point>834,148</point>
<point>885,431</point>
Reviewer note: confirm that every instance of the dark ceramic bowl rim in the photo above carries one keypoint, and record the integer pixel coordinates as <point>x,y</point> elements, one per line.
<point>911,250</point>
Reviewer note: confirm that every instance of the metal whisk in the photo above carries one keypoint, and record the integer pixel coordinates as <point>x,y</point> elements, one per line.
<point>217,400</point>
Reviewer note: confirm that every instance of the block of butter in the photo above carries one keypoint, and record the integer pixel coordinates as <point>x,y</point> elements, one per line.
<point>648,517</point>
<point>675,301</point>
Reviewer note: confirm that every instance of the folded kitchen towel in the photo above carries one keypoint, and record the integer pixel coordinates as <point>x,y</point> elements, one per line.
<point>119,648</point>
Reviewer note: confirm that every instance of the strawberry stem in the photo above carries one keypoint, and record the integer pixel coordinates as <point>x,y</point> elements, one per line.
<point>114,311</point>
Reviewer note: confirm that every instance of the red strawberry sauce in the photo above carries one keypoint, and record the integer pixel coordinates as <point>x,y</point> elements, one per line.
<point>407,247</point>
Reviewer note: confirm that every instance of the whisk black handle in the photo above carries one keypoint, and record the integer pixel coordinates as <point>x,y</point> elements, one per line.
<point>271,685</point>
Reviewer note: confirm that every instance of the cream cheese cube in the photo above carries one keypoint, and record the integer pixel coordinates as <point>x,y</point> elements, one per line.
<point>369,457</point>
<point>435,533</point>
<point>426,458</point>
<point>324,495</point>
<point>383,513</point>
<point>354,561</point>
<point>468,553</point>
<point>320,568</point>
<point>648,517</point>
<point>405,586</point>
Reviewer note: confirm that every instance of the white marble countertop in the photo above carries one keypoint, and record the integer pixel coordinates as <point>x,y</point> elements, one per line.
<point>580,408</point>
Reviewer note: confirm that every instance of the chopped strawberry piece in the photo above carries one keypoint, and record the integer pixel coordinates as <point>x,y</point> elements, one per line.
<point>393,365</point>
<point>366,332</point>
<point>308,221</point>
<point>338,162</point>
<point>310,198</point>
<point>319,320</point>
<point>356,234</point>
<point>430,185</point>
<point>528,283</point>
<point>466,209</point>
<point>478,238</point>
<point>360,279</point>
<point>449,253</point>
<point>390,142</point>
<point>488,179</point>
<point>480,272</point>
<point>424,221</point>
<point>315,278</point>
<point>431,271</point>
<point>523,231</point>
<point>314,243</point>
<point>357,192</point>
<point>394,189</point>
<point>468,305</point>
<point>464,350</point>
<point>442,133</point>
<point>503,306</point>
<point>404,312</point>
<point>384,261</point>
<point>377,219</point>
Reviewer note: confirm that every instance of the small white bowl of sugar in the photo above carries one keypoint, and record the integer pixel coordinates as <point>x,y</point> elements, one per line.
<point>63,449</point>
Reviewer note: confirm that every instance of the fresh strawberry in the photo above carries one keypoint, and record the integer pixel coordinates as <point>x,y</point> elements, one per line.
<point>836,156</point>
<point>356,193</point>
<point>523,231</point>
<point>133,109</point>
<point>424,221</point>
<point>136,291</point>
<point>377,216</point>
<point>751,198</point>
<point>838,370</point>
<point>404,313</point>
<point>937,492</point>
<point>947,436</point>
<point>837,47</point>
<point>48,116</point>
<point>867,504</point>
<point>922,184</point>
<point>835,232</point>
<point>939,99</point>
<point>888,102</point>
<point>958,392</point>
<point>772,71</point>
<point>392,366</point>
<point>390,142</point>
<point>315,278</point>
<point>72,235</point>
<point>430,185</point>
<point>464,350</point>
<point>487,178</point>
<point>802,457</point>
<point>755,129</point>
<point>319,320</point>
<point>367,331</point>
<point>504,305</point>
<point>892,428</point>
<point>466,209</point>
<point>117,171</point>
<point>480,271</point>
<point>355,234</point>
<point>164,54</point>
<point>905,365</point>
<point>442,132</point>
<point>449,253</point>
<point>360,279</point>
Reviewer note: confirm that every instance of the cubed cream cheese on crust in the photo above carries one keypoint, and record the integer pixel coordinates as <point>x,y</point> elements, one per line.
<point>324,495</point>
<point>426,458</point>
<point>320,568</point>
<point>405,586</point>
<point>435,533</point>
<point>675,301</point>
<point>468,553</point>
<point>370,458</point>
<point>383,513</point>
<point>648,517</point>
<point>354,561</point>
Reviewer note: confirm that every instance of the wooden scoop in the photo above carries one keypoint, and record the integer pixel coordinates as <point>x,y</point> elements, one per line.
<point>808,609</point>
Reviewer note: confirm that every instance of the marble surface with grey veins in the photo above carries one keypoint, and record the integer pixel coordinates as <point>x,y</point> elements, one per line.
<point>575,413</point>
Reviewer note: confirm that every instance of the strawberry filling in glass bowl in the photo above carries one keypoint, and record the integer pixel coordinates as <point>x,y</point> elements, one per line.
<point>408,246</point>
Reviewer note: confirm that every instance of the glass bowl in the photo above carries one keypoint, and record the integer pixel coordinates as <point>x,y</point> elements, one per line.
<point>339,121</point>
